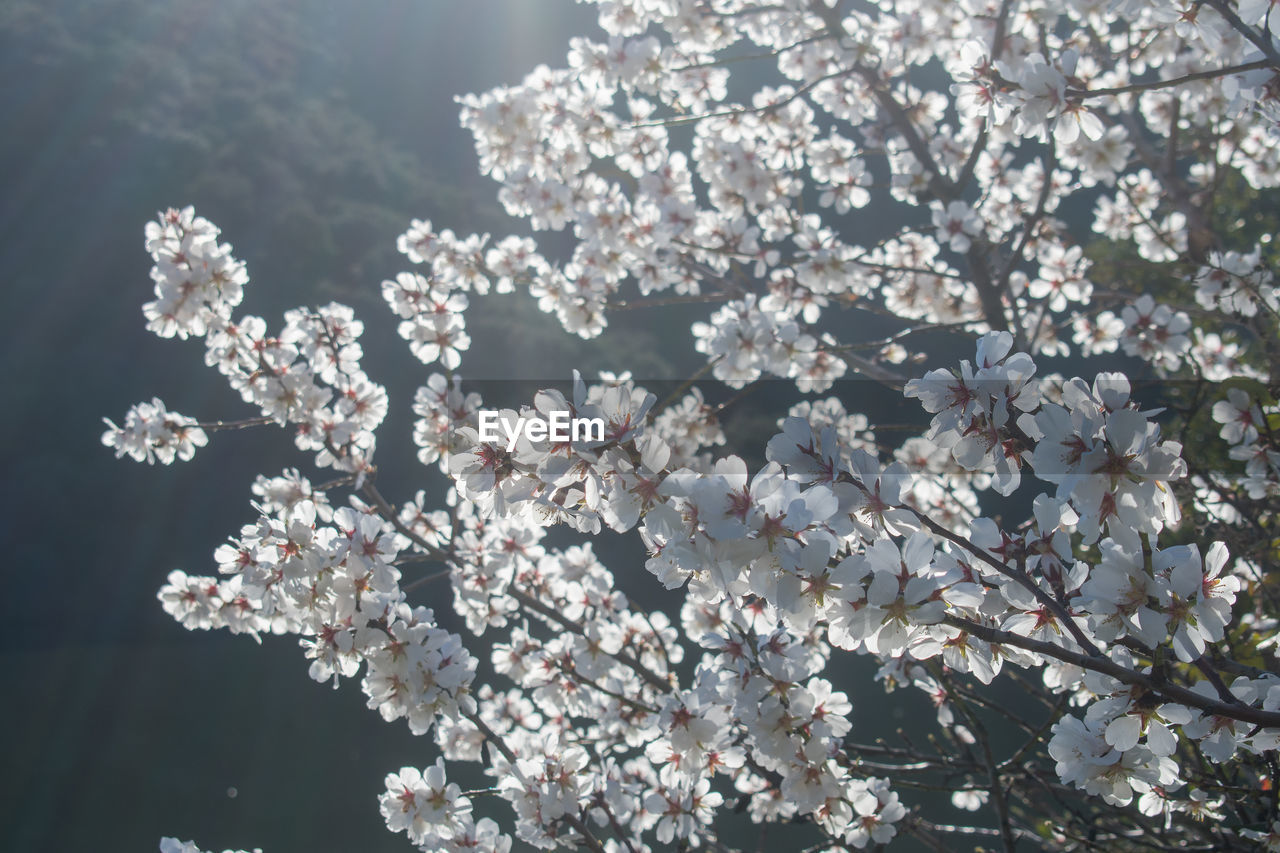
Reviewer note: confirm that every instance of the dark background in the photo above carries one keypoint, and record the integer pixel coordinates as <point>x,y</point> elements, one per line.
<point>311,133</point>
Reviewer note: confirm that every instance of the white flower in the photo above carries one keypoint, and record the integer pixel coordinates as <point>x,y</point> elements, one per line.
<point>151,434</point>
<point>1155,332</point>
<point>424,805</point>
<point>1198,597</point>
<point>1239,417</point>
<point>1086,760</point>
<point>1040,94</point>
<point>197,281</point>
<point>956,225</point>
<point>970,799</point>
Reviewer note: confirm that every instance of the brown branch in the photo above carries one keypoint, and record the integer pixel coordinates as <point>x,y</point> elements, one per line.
<point>1260,40</point>
<point>1150,85</point>
<point>997,47</point>
<point>581,829</point>
<point>1019,575</point>
<point>499,744</point>
<point>994,783</point>
<point>214,426</point>
<point>676,121</point>
<point>650,677</point>
<point>1106,666</point>
<point>388,512</point>
<point>939,183</point>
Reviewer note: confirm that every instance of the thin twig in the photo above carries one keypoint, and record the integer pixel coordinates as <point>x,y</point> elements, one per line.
<point>1106,666</point>
<point>1176,81</point>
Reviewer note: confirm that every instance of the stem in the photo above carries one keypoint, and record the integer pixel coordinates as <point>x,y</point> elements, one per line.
<point>675,395</point>
<point>1202,664</point>
<point>995,785</point>
<point>1039,733</point>
<point>492,737</point>
<point>1261,40</point>
<point>1106,666</point>
<point>1176,81</point>
<point>654,680</point>
<point>587,837</point>
<point>214,426</point>
<point>426,579</point>
<point>613,822</point>
<point>388,512</point>
<point>1023,579</point>
<point>626,700</point>
<point>676,121</point>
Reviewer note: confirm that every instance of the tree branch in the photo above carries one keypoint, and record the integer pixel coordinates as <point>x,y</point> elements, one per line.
<point>1151,85</point>
<point>1106,666</point>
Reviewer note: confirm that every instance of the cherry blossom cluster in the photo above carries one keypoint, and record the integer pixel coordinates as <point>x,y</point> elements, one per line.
<point>916,160</point>
<point>747,342</point>
<point>197,280</point>
<point>778,538</point>
<point>434,813</point>
<point>544,140</point>
<point>433,321</point>
<point>151,433</point>
<point>1237,284</point>
<point>330,577</point>
<point>309,376</point>
<point>1248,429</point>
